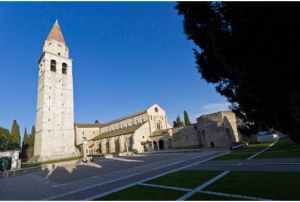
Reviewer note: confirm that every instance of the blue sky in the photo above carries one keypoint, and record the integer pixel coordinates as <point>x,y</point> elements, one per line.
<point>126,57</point>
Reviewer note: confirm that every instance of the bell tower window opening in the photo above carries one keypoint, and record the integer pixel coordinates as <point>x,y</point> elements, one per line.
<point>64,68</point>
<point>53,66</point>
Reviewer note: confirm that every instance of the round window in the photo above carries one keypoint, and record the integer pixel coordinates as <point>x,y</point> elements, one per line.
<point>156,109</point>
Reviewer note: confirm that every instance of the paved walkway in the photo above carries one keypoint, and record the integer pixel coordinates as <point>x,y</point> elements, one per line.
<point>78,182</point>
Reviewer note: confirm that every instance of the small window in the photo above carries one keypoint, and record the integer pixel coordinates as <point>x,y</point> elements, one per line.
<point>64,68</point>
<point>137,121</point>
<point>53,66</point>
<point>142,120</point>
<point>58,53</point>
<point>49,119</point>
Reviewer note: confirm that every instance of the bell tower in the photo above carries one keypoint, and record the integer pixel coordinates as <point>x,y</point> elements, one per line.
<point>55,135</point>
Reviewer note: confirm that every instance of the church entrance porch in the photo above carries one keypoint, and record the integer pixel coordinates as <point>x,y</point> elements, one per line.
<point>161,144</point>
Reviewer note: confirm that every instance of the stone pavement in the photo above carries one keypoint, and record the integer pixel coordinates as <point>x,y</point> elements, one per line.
<point>78,182</point>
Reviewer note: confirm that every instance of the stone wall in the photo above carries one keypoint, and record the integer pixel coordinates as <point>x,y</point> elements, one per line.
<point>14,155</point>
<point>185,137</point>
<point>218,129</point>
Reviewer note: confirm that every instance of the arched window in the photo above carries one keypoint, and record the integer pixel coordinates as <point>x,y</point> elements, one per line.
<point>64,68</point>
<point>53,66</point>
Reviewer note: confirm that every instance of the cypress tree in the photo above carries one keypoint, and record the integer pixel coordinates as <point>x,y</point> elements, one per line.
<point>186,118</point>
<point>30,151</point>
<point>174,124</point>
<point>25,145</point>
<point>96,121</point>
<point>32,137</point>
<point>15,140</point>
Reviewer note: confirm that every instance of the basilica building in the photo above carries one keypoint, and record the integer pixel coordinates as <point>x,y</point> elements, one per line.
<point>131,133</point>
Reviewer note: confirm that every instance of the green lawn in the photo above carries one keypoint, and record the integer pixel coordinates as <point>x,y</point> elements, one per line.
<point>250,150</point>
<point>143,193</point>
<point>185,178</point>
<point>208,197</point>
<point>262,184</point>
<point>27,165</point>
<point>284,148</point>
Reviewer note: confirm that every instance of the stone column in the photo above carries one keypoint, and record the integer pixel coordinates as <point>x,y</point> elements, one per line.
<point>121,144</point>
<point>103,146</point>
<point>112,145</point>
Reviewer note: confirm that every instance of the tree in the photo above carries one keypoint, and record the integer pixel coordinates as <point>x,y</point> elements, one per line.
<point>31,139</point>
<point>25,145</point>
<point>250,51</point>
<point>186,118</point>
<point>179,122</point>
<point>96,121</point>
<point>15,137</point>
<point>4,139</point>
<point>174,124</point>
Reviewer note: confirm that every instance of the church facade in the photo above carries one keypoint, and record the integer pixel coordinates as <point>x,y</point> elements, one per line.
<point>127,134</point>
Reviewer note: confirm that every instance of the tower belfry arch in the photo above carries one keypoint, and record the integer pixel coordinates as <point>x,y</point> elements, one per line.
<point>55,137</point>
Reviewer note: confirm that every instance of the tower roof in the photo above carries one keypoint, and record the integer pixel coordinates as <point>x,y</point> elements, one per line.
<point>56,33</point>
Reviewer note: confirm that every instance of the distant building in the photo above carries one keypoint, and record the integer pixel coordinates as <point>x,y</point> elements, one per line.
<point>218,129</point>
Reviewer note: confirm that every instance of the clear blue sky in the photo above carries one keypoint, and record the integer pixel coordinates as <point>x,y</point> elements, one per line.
<point>126,57</point>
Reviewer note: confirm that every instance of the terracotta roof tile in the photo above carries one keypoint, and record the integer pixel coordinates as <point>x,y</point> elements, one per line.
<point>55,33</point>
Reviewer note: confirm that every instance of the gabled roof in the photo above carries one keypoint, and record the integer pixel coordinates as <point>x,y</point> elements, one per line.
<point>55,33</point>
<point>87,125</point>
<point>160,132</point>
<point>122,131</point>
<point>123,118</point>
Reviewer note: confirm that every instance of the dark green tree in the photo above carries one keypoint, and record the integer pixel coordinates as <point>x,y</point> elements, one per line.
<point>25,145</point>
<point>179,122</point>
<point>4,139</point>
<point>96,121</point>
<point>15,137</point>
<point>186,118</point>
<point>174,124</point>
<point>31,139</point>
<point>250,51</point>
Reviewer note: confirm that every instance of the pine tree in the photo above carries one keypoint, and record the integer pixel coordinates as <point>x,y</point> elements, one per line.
<point>186,118</point>
<point>15,140</point>
<point>179,121</point>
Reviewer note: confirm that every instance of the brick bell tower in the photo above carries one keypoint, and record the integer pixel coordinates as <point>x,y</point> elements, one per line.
<point>55,135</point>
